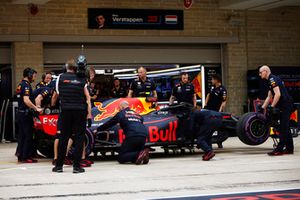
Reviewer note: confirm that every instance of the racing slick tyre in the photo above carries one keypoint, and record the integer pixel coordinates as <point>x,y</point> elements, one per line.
<point>45,144</point>
<point>252,128</point>
<point>89,143</point>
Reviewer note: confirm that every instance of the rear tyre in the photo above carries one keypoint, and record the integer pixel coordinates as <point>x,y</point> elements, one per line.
<point>252,128</point>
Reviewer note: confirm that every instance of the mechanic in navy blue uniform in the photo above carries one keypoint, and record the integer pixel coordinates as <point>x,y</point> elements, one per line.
<point>217,96</point>
<point>184,91</point>
<point>94,92</point>
<point>75,109</point>
<point>25,116</point>
<point>46,79</point>
<point>118,91</point>
<point>133,147</point>
<point>282,100</point>
<point>42,96</point>
<point>142,86</point>
<point>204,123</point>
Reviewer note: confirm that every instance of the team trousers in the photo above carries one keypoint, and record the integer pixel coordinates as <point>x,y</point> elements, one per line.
<point>73,123</point>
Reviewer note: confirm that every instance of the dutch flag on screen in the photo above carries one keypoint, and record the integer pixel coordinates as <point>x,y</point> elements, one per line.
<point>171,19</point>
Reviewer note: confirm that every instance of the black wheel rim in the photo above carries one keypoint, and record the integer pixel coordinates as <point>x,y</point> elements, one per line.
<point>258,128</point>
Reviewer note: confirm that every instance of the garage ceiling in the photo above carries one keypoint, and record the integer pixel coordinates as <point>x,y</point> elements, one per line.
<point>256,4</point>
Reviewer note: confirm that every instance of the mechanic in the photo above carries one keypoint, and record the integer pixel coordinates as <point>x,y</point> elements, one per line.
<point>216,98</point>
<point>55,105</point>
<point>43,95</point>
<point>46,79</point>
<point>142,86</point>
<point>118,91</point>
<point>133,147</point>
<point>284,102</point>
<point>93,92</point>
<point>184,91</point>
<point>204,123</point>
<point>75,109</point>
<point>25,116</point>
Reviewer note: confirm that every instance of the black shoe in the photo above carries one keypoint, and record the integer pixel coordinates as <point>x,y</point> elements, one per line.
<point>57,169</point>
<point>77,170</point>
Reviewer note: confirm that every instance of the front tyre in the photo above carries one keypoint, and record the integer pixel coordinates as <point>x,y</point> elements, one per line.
<point>252,128</point>
<point>89,142</point>
<point>45,144</point>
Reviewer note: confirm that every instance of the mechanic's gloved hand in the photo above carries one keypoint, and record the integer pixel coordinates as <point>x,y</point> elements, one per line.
<point>89,122</point>
<point>270,109</point>
<point>260,109</point>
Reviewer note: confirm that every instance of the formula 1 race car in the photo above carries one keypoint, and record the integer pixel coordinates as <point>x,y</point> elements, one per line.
<point>165,125</point>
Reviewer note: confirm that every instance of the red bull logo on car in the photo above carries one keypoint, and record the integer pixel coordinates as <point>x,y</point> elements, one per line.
<point>157,133</point>
<point>111,108</point>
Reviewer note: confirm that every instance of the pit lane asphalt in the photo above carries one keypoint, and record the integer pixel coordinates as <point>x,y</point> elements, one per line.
<point>236,168</point>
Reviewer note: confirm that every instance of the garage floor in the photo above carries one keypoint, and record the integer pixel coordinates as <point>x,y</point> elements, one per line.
<point>236,168</point>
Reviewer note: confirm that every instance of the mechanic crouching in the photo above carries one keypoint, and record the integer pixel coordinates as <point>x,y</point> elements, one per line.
<point>204,123</point>
<point>133,148</point>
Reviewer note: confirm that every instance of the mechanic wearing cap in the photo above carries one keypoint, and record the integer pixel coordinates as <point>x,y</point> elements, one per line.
<point>284,102</point>
<point>25,117</point>
<point>133,147</point>
<point>184,91</point>
<point>204,123</point>
<point>216,98</point>
<point>75,109</point>
<point>118,91</point>
<point>46,79</point>
<point>142,86</point>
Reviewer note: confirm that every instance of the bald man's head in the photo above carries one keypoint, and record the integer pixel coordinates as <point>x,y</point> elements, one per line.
<point>142,73</point>
<point>264,72</point>
<point>123,105</point>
